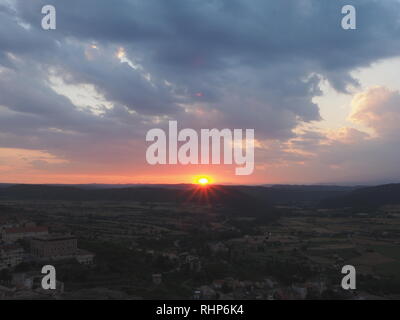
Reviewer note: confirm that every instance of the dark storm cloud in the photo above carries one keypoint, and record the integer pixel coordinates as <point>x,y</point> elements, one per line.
<point>118,81</point>
<point>204,35</point>
<point>202,47</point>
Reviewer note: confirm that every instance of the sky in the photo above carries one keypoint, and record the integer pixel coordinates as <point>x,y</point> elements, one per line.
<point>76,102</point>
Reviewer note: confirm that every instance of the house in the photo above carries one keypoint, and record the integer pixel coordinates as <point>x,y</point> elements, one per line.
<point>23,281</point>
<point>217,248</point>
<point>196,295</point>
<point>207,293</point>
<point>157,278</point>
<point>10,256</point>
<point>300,291</point>
<point>84,257</point>
<point>193,262</point>
<point>6,292</point>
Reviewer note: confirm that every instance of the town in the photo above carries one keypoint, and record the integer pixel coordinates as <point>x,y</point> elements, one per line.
<point>163,250</point>
<point>25,243</point>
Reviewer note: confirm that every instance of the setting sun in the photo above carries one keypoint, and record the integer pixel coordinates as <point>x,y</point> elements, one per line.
<point>202,180</point>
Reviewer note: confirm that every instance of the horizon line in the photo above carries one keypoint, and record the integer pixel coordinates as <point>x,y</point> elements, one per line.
<point>344,184</point>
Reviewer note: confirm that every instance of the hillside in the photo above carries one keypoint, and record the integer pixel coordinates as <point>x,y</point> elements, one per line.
<point>224,197</point>
<point>297,195</point>
<point>369,198</point>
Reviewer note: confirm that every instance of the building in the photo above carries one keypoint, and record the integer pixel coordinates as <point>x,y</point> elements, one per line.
<point>193,263</point>
<point>54,246</point>
<point>22,281</point>
<point>7,223</point>
<point>84,257</point>
<point>6,292</point>
<point>300,291</point>
<point>218,248</point>
<point>157,278</point>
<point>10,256</point>
<point>14,234</point>
<point>57,247</point>
<point>207,293</point>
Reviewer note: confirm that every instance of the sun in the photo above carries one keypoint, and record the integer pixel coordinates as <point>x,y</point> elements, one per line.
<point>203,180</point>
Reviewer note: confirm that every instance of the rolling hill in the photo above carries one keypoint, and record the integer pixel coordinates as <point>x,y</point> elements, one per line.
<point>368,198</point>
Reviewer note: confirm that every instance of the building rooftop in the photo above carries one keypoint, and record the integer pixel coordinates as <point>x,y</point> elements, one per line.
<point>25,230</point>
<point>82,252</point>
<point>54,237</point>
<point>9,247</point>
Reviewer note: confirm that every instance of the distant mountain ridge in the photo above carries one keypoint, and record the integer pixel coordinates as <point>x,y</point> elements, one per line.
<point>173,193</point>
<point>296,194</point>
<point>243,197</point>
<point>370,197</point>
<point>226,197</point>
